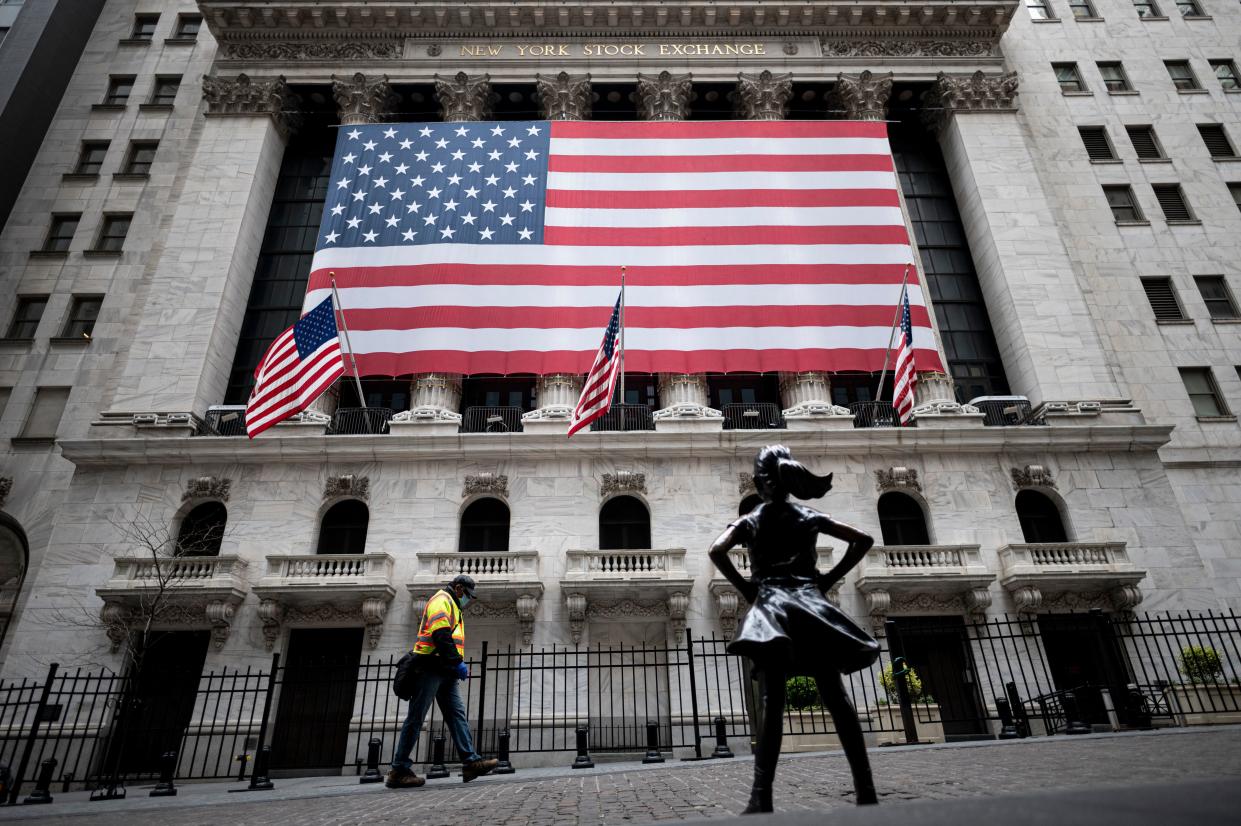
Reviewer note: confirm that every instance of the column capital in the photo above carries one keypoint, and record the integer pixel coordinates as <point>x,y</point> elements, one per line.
<point>464,97</point>
<point>864,96</point>
<point>564,96</point>
<point>664,96</point>
<point>764,96</point>
<point>243,96</point>
<point>363,100</point>
<point>978,92</point>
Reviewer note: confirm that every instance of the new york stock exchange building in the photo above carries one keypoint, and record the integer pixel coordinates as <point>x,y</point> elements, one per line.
<point>1061,515</point>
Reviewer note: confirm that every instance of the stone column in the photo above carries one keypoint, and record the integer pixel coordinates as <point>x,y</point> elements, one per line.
<point>665,96</point>
<point>564,97</point>
<point>464,97</point>
<point>763,96</point>
<point>1051,349</point>
<point>807,402</point>
<point>862,97</point>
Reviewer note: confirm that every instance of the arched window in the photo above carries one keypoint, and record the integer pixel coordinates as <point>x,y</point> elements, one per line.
<point>749,503</point>
<point>901,520</point>
<point>1040,518</point>
<point>624,524</point>
<point>484,527</point>
<point>343,530</point>
<point>202,530</point>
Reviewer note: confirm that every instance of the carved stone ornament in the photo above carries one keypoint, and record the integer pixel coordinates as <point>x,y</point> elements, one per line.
<point>953,94</point>
<point>358,487</point>
<point>116,623</point>
<point>326,50</point>
<point>908,48</point>
<point>271,614</point>
<point>435,50</point>
<point>465,98</point>
<point>897,478</point>
<point>6,487</point>
<point>220,615</point>
<point>564,97</point>
<point>745,484</point>
<point>729,603</point>
<point>208,487</point>
<point>665,96</point>
<point>527,606</point>
<point>623,481</point>
<point>678,607</point>
<point>575,605</point>
<point>764,96</point>
<point>862,97</point>
<point>629,608</point>
<point>485,483</point>
<point>362,100</point>
<point>1032,476</point>
<point>245,97</point>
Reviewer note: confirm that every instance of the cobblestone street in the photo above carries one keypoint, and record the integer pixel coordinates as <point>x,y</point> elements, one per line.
<point>625,793</point>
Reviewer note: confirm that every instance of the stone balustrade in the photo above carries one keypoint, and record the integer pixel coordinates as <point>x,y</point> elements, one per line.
<point>647,582</point>
<point>325,588</point>
<point>919,579</point>
<point>625,564</point>
<point>1073,575</point>
<point>509,583</point>
<point>142,572</point>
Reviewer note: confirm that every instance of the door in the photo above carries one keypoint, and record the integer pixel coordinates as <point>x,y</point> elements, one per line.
<point>938,650</point>
<point>317,684</point>
<point>1083,657</point>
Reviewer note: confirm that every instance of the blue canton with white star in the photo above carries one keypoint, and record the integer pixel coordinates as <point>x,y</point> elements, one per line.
<point>609,335</point>
<point>907,328</point>
<point>314,329</point>
<point>403,184</point>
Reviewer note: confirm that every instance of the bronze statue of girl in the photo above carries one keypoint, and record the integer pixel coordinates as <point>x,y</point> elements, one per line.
<point>791,628</point>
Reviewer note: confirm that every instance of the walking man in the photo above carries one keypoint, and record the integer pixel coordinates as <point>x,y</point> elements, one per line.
<point>439,662</point>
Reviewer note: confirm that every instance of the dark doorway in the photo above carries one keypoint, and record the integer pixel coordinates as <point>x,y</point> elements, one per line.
<point>484,527</point>
<point>1083,657</point>
<point>160,700</point>
<point>343,530</point>
<point>901,520</point>
<point>938,650</point>
<point>317,685</point>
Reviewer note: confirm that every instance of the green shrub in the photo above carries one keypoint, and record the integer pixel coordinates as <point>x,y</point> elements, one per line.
<point>912,680</point>
<point>802,693</point>
<point>1201,664</point>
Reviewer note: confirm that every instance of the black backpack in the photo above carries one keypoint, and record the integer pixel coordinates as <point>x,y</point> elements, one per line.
<point>403,680</point>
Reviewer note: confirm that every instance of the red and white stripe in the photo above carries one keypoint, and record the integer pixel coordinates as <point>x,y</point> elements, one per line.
<point>285,384</point>
<point>597,390</point>
<point>904,377</point>
<point>750,246</point>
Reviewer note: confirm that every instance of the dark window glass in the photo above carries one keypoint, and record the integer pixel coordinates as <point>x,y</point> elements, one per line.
<point>90,159</point>
<point>1226,71</point>
<point>1172,202</point>
<point>27,316</point>
<point>1182,75</point>
<point>165,91</point>
<point>112,235</point>
<point>144,26</point>
<point>1098,147</point>
<point>1203,394</point>
<point>83,314</point>
<point>1235,191</point>
<point>1068,77</point>
<point>848,388</point>
<point>901,520</point>
<point>188,26</point>
<point>202,530</point>
<point>1146,8</point>
<point>624,524</point>
<point>1145,144</point>
<point>5,394</point>
<point>1040,518</point>
<point>343,530</point>
<point>1189,8</point>
<point>1162,297</point>
<point>45,413</point>
<point>484,527</point>
<point>1114,77</point>
<point>1082,8</point>
<point>1124,206</point>
<point>141,156</point>
<point>60,234</point>
<point>119,89</point>
<point>498,391</point>
<point>1216,295</point>
<point>640,388</point>
<point>743,388</point>
<point>1216,140</point>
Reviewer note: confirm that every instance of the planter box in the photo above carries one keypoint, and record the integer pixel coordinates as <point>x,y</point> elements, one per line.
<point>809,731</point>
<point>892,729</point>
<point>1207,705</point>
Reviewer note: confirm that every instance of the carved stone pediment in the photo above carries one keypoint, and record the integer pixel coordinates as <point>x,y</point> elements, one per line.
<point>623,481</point>
<point>1032,476</point>
<point>358,487</point>
<point>208,487</point>
<point>897,478</point>
<point>564,96</point>
<point>485,483</point>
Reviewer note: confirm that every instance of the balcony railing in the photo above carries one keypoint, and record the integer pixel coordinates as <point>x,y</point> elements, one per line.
<point>491,420</point>
<point>327,568</point>
<point>1064,558</point>
<point>1006,411</point>
<point>876,414</point>
<point>625,417</point>
<point>755,416</point>
<point>441,566</point>
<point>924,569</point>
<point>358,421</point>
<point>187,572</point>
<point>225,420</point>
<point>625,564</point>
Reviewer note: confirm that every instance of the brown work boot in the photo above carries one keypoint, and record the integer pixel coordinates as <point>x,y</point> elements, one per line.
<point>403,779</point>
<point>477,769</point>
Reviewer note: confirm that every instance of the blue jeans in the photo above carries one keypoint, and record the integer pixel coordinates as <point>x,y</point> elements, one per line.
<point>430,685</point>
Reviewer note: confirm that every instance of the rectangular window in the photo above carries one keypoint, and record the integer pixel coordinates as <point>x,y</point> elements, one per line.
<point>1124,205</point>
<point>1039,9</point>
<point>1082,8</point>
<point>5,394</point>
<point>141,155</point>
<point>144,26</point>
<point>1146,8</point>
<point>1182,75</point>
<point>60,234</point>
<point>90,159</point>
<point>1189,8</point>
<point>1235,191</point>
<point>1203,393</point>
<point>45,413</point>
<point>1162,297</point>
<point>1114,77</point>
<point>83,314</point>
<point>112,234</point>
<point>1098,147</point>
<point>1226,71</point>
<point>1172,202</point>
<point>27,316</point>
<point>1216,295</point>
<point>165,91</point>
<point>188,26</point>
<point>119,89</point>
<point>1145,144</point>
<point>1216,139</point>
<point>1068,77</point>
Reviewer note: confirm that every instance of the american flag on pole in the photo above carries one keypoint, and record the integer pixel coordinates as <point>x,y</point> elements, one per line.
<point>596,398</point>
<point>491,247</point>
<point>299,365</point>
<point>904,376</point>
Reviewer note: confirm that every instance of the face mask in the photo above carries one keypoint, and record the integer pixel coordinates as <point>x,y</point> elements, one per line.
<point>465,600</point>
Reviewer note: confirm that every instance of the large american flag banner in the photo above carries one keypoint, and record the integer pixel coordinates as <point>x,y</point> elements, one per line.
<point>488,247</point>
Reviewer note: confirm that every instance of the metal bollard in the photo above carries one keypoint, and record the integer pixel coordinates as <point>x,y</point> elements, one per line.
<point>373,774</point>
<point>1018,708</point>
<point>721,739</point>
<point>1072,715</point>
<point>1008,729</point>
<point>1138,709</point>
<point>43,786</point>
<point>583,760</point>
<point>259,781</point>
<point>66,780</point>
<point>652,744</point>
<point>438,769</point>
<point>167,768</point>
<point>504,766</point>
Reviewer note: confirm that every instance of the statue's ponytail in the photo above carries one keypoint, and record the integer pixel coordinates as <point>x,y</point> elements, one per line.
<point>784,475</point>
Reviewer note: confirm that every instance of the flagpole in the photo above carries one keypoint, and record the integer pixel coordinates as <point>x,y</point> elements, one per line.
<point>622,350</point>
<point>348,344</point>
<point>900,300</point>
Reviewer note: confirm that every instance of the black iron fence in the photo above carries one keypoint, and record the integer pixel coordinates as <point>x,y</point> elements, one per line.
<point>360,421</point>
<point>876,414</point>
<point>1003,677</point>
<point>1007,412</point>
<point>491,420</point>
<point>755,416</point>
<point>625,417</point>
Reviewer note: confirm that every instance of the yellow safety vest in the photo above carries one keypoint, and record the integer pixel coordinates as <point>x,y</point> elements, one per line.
<point>442,611</point>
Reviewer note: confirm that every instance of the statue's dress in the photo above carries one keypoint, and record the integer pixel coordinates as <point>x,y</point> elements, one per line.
<point>791,625</point>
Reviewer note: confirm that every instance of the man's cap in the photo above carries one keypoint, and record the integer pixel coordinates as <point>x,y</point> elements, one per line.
<point>466,582</point>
